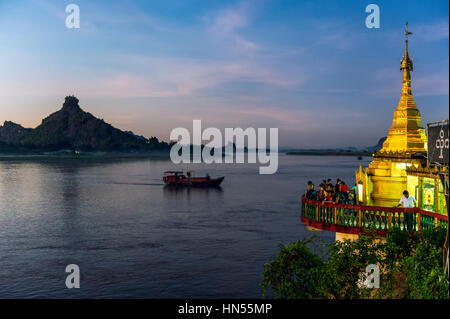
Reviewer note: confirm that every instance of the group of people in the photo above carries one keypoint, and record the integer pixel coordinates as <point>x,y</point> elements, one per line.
<point>338,193</point>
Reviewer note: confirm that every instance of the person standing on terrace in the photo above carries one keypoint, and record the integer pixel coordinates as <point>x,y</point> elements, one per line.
<point>344,190</point>
<point>407,201</point>
<point>310,193</point>
<point>337,187</point>
<point>330,186</point>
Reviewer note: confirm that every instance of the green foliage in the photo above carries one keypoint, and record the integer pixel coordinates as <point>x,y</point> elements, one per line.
<point>410,267</point>
<point>424,273</point>
<point>435,238</point>
<point>347,260</point>
<point>294,273</point>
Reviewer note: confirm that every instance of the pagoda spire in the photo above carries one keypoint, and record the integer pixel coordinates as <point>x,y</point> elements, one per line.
<point>386,176</point>
<point>406,65</point>
<point>406,37</point>
<point>406,134</point>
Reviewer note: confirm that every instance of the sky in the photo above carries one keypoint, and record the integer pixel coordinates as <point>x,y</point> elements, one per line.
<point>310,68</point>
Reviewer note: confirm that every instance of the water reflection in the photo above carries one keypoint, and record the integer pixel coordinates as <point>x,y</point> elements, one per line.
<point>172,192</point>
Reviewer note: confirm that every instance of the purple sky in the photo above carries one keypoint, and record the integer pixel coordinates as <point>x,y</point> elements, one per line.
<point>310,68</point>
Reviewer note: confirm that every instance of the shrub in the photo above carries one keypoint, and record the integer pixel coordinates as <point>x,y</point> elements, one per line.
<point>410,267</point>
<point>294,273</point>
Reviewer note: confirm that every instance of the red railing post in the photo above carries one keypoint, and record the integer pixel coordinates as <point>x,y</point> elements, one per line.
<point>389,220</point>
<point>359,218</point>
<point>419,221</point>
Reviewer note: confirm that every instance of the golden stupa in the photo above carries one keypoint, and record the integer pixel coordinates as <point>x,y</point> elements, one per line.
<point>384,181</point>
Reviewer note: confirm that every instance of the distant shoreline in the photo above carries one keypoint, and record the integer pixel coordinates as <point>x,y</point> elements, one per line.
<point>153,155</point>
<point>84,156</point>
<point>329,153</point>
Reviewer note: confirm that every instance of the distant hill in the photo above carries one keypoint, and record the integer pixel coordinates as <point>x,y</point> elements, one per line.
<point>379,145</point>
<point>73,129</point>
<point>353,151</point>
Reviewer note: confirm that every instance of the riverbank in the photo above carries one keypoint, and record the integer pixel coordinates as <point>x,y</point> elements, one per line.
<point>82,156</point>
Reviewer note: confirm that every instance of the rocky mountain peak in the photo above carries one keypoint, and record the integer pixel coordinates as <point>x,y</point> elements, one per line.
<point>11,125</point>
<point>73,128</point>
<point>71,103</point>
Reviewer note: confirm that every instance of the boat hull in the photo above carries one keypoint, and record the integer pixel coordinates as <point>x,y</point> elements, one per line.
<point>195,182</point>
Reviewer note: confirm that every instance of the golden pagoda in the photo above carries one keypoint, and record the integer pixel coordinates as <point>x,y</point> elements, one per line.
<point>384,181</point>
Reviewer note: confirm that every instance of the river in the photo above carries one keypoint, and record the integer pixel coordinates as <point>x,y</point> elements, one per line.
<point>134,238</point>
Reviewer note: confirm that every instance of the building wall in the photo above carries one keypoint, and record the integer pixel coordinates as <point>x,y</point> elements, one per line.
<point>389,180</point>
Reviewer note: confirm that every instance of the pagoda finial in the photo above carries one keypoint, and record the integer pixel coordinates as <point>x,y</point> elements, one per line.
<point>406,63</point>
<point>406,35</point>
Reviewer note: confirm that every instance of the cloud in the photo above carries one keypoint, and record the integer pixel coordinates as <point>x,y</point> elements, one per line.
<point>170,77</point>
<point>55,11</point>
<point>432,32</point>
<point>137,75</point>
<point>154,77</point>
<point>292,120</point>
<point>421,33</point>
<point>432,84</point>
<point>427,83</point>
<point>220,114</point>
<point>228,21</point>
<point>224,27</point>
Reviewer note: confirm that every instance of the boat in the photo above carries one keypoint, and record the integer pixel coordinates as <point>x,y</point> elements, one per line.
<point>178,178</point>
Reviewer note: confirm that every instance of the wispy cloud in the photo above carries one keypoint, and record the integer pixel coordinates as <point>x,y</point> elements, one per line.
<point>157,77</point>
<point>435,31</point>
<point>423,33</point>
<point>49,7</point>
<point>432,84</point>
<point>169,77</point>
<point>224,27</point>
<point>427,83</point>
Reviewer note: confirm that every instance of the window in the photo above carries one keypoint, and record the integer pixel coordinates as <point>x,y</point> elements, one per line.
<point>360,192</point>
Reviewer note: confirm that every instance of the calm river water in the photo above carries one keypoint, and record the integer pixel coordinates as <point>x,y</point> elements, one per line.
<point>134,238</point>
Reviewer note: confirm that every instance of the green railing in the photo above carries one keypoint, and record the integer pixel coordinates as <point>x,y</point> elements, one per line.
<point>356,218</point>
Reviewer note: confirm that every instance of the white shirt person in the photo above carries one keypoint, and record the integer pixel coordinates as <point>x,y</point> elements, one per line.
<point>407,201</point>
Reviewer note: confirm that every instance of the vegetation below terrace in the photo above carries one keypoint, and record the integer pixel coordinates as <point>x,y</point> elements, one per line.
<point>411,266</point>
